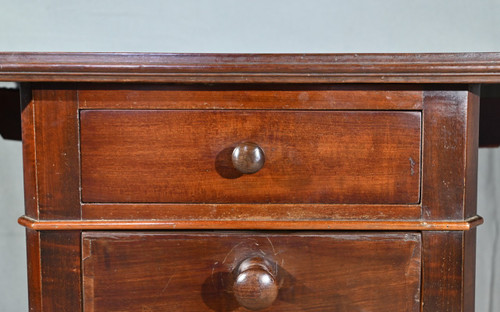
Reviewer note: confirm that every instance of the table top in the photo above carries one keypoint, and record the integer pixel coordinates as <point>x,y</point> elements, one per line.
<point>251,68</point>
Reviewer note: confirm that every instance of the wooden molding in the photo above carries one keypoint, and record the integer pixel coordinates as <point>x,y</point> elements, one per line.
<point>251,68</point>
<point>416,225</point>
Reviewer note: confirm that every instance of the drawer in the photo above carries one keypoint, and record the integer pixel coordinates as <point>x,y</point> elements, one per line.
<point>310,156</point>
<point>226,271</point>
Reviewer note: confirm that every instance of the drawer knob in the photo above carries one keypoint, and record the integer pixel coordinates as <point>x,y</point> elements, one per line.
<point>248,157</point>
<point>255,287</point>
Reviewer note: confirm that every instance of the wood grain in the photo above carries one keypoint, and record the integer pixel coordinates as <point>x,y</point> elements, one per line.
<point>29,152</point>
<point>471,152</point>
<point>190,271</point>
<point>283,212</point>
<point>61,271</point>
<point>250,225</point>
<point>250,96</point>
<point>244,68</point>
<point>175,156</point>
<point>54,271</point>
<point>448,283</point>
<point>255,285</point>
<point>449,154</point>
<point>469,269</point>
<point>34,270</point>
<point>57,155</point>
<point>342,153</point>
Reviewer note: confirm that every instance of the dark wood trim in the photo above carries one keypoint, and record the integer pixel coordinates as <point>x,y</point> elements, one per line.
<point>237,68</point>
<point>250,225</point>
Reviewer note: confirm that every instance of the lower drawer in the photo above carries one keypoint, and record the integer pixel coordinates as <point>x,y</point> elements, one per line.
<point>272,271</point>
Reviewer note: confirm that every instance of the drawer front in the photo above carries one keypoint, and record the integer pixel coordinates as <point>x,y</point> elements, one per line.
<point>210,272</point>
<point>181,156</point>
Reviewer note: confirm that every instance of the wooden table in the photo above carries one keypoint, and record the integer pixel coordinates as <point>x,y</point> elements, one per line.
<point>193,182</point>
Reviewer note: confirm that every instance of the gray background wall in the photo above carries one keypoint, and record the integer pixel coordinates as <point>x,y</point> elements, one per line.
<point>246,26</point>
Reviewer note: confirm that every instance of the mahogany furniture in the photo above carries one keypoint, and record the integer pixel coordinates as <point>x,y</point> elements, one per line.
<point>188,182</point>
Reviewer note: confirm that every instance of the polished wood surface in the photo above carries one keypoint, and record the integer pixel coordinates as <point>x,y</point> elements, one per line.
<point>448,284</point>
<point>471,152</point>
<point>56,151</point>
<point>381,146</point>
<point>153,96</point>
<point>29,155</point>
<point>255,284</point>
<point>250,96</point>
<point>195,271</point>
<point>251,225</point>
<point>54,271</point>
<point>261,212</point>
<point>61,271</point>
<point>34,270</point>
<point>248,157</point>
<point>449,154</point>
<point>271,68</point>
<point>175,156</point>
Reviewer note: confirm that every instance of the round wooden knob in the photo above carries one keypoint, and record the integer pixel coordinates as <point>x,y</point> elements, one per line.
<point>248,157</point>
<point>255,287</point>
